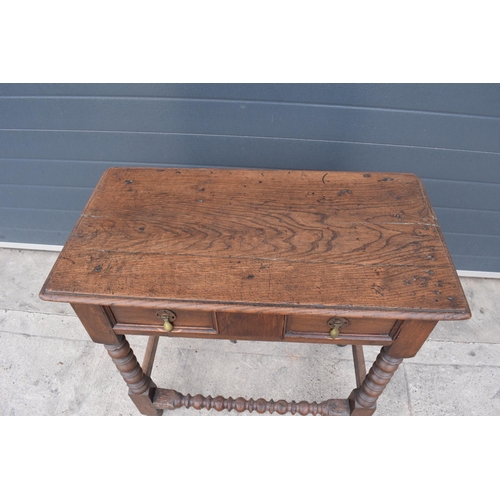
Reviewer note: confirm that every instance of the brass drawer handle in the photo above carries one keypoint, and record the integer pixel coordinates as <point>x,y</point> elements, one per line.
<point>336,324</point>
<point>168,318</point>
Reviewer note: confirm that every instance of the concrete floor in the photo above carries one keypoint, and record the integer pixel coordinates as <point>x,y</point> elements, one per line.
<point>49,366</point>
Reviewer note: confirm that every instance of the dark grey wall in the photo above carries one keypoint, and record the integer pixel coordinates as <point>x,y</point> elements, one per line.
<point>57,139</point>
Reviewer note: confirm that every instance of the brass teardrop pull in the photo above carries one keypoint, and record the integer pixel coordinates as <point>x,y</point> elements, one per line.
<point>334,332</point>
<point>336,324</point>
<point>167,326</point>
<point>168,318</point>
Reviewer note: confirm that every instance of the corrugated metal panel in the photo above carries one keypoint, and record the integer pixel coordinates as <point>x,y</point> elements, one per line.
<point>56,140</point>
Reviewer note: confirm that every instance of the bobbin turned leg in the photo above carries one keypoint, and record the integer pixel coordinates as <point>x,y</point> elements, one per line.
<point>407,341</point>
<point>363,401</point>
<point>141,387</point>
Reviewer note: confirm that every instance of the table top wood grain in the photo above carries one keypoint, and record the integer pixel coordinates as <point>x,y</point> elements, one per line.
<point>339,243</point>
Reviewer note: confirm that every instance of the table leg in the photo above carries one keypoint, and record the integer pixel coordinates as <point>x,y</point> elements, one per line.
<point>363,400</point>
<point>141,387</point>
<point>406,343</point>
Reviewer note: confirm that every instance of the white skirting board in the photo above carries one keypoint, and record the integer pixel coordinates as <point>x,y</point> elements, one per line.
<point>478,274</point>
<point>58,248</point>
<point>31,246</point>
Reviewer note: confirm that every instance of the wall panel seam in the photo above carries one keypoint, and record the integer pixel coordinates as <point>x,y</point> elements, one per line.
<point>257,101</point>
<point>274,138</point>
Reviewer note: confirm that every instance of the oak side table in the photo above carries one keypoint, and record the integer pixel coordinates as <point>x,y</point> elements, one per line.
<point>261,255</point>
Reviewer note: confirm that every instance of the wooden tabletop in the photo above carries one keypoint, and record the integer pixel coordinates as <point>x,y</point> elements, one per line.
<point>356,244</point>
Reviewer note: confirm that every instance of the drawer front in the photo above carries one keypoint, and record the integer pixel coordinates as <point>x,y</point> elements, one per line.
<point>195,323</point>
<point>317,328</point>
<point>250,326</point>
<point>148,321</point>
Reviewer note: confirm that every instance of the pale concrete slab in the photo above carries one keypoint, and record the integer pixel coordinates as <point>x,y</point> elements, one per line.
<point>25,273</point>
<point>48,325</point>
<point>483,296</point>
<point>49,366</point>
<point>454,390</point>
<point>453,378</point>
<point>50,376</point>
<point>457,353</point>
